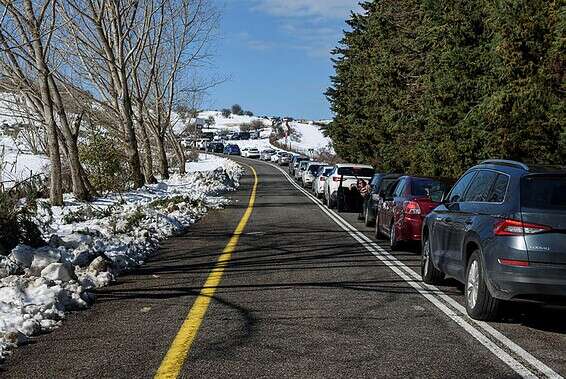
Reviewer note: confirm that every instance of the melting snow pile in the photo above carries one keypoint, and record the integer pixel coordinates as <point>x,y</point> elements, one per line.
<point>91,244</point>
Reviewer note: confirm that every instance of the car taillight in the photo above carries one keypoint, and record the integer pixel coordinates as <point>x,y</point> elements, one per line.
<point>322,179</point>
<point>518,228</point>
<point>411,208</point>
<point>336,178</point>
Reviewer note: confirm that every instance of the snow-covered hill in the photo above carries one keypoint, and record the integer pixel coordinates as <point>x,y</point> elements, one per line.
<point>306,137</point>
<point>231,122</point>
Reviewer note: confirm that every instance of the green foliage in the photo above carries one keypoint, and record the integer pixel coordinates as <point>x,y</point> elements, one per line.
<point>226,113</point>
<point>237,109</point>
<point>18,215</point>
<point>248,113</point>
<point>104,162</point>
<point>431,87</point>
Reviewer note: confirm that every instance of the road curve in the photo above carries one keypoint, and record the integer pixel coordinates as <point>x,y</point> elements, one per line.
<point>306,293</point>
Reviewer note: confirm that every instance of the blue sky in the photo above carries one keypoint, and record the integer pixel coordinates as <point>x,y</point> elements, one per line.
<point>276,55</point>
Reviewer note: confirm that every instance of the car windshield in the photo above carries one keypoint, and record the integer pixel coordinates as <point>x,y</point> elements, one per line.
<point>356,171</point>
<point>434,189</point>
<point>327,171</point>
<point>543,192</point>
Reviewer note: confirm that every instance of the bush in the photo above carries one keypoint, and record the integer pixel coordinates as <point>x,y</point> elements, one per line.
<point>245,127</point>
<point>248,113</point>
<point>256,125</point>
<point>18,211</point>
<point>226,113</point>
<point>237,109</point>
<point>105,163</point>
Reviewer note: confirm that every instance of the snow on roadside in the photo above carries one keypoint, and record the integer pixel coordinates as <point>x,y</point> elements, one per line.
<point>92,243</point>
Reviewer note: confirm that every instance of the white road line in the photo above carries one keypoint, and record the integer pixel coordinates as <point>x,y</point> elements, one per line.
<point>434,295</point>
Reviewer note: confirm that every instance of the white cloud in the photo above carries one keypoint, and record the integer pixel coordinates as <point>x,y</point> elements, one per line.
<point>308,8</point>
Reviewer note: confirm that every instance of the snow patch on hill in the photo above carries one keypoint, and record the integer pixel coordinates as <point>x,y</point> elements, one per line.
<point>232,122</point>
<point>306,137</point>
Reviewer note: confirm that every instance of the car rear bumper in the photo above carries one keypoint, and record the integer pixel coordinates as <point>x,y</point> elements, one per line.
<point>537,282</point>
<point>409,228</point>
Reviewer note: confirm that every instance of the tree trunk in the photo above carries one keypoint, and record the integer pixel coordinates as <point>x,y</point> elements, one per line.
<point>163,163</point>
<point>56,188</point>
<point>179,153</point>
<point>148,158</point>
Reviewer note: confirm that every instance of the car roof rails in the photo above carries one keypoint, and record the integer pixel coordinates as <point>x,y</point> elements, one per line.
<point>508,163</point>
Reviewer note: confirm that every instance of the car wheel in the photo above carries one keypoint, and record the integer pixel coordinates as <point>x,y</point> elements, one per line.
<point>480,304</point>
<point>377,231</point>
<point>367,220</point>
<point>393,238</point>
<point>429,273</point>
<point>331,203</point>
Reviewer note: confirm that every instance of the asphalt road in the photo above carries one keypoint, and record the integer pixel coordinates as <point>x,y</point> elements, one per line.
<point>307,293</point>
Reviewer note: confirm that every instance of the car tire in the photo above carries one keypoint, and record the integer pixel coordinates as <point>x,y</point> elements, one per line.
<point>367,221</point>
<point>331,203</point>
<point>429,273</point>
<point>393,238</point>
<point>377,233</point>
<point>480,304</point>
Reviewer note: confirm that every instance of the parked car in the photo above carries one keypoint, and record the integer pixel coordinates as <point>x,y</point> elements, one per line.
<point>266,154</point>
<point>232,149</point>
<point>244,136</point>
<point>500,231</point>
<point>254,134</point>
<point>232,136</point>
<point>275,157</point>
<point>202,143</point>
<point>401,213</point>
<point>296,161</point>
<point>344,175</point>
<point>380,184</point>
<point>250,152</point>
<point>215,147</point>
<point>321,176</point>
<point>310,173</point>
<point>284,159</point>
<point>301,169</point>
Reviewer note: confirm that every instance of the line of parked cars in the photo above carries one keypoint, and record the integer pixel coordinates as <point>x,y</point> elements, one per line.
<point>500,229</point>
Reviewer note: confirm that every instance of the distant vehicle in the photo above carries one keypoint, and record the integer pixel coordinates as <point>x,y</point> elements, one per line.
<point>310,173</point>
<point>215,147</point>
<point>275,157</point>
<point>401,213</point>
<point>500,231</point>
<point>233,136</point>
<point>266,154</point>
<point>202,143</point>
<point>284,159</point>
<point>232,149</point>
<point>295,163</point>
<point>254,134</point>
<point>318,183</point>
<point>250,152</point>
<point>244,136</point>
<point>344,175</point>
<point>380,185</point>
<point>301,169</point>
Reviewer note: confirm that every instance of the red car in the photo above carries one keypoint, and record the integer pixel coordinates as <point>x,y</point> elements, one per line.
<point>401,212</point>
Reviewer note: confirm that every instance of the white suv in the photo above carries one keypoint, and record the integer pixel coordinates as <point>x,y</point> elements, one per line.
<point>309,175</point>
<point>347,173</point>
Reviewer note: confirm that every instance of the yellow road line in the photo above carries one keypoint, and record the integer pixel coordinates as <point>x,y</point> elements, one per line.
<point>176,356</point>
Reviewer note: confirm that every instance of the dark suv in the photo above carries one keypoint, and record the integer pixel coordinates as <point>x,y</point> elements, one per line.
<point>502,232</point>
<point>380,183</point>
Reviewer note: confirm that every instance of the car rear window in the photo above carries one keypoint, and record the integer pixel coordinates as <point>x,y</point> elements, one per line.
<point>543,192</point>
<point>313,169</point>
<point>434,189</point>
<point>356,171</point>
